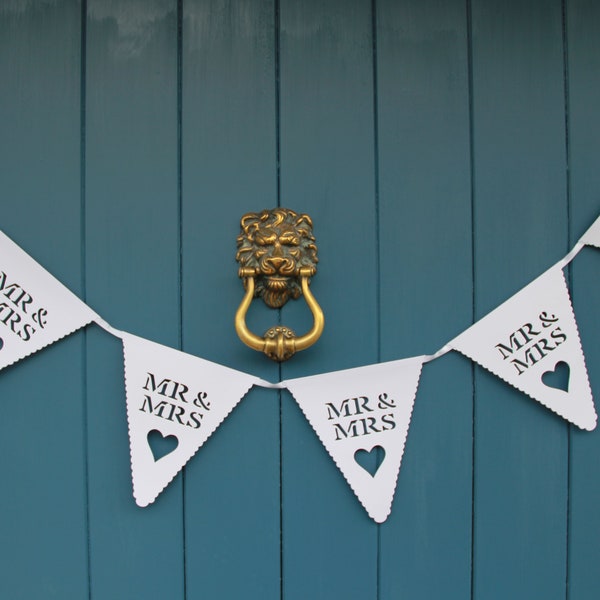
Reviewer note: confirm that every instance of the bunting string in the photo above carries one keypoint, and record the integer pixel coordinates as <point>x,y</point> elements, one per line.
<point>175,401</point>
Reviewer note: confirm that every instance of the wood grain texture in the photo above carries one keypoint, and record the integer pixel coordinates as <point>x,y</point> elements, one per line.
<point>426,290</point>
<point>583,69</point>
<point>132,224</point>
<point>42,432</point>
<point>520,228</point>
<point>447,152</point>
<point>228,169</point>
<point>327,170</point>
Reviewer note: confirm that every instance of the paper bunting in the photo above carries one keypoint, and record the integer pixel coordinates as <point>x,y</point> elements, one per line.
<point>362,417</point>
<point>36,309</point>
<point>532,342</point>
<point>592,235</point>
<point>175,402</point>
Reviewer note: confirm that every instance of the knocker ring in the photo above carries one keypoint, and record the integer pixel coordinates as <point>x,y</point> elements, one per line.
<point>277,255</point>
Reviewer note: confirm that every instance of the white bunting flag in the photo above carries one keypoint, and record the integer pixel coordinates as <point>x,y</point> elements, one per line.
<point>36,309</point>
<point>532,342</point>
<point>362,417</point>
<point>592,235</point>
<point>175,402</point>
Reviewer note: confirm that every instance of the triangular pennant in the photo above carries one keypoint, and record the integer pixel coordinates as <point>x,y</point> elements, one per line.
<point>175,402</point>
<point>532,342</point>
<point>592,236</point>
<point>36,309</point>
<point>362,417</point>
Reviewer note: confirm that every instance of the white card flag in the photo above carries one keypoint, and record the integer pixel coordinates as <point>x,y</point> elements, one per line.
<point>36,309</point>
<point>592,235</point>
<point>175,402</point>
<point>362,417</point>
<point>532,342</point>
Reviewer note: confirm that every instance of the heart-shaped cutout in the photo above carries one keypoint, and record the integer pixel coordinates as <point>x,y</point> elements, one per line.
<point>160,444</point>
<point>559,378</point>
<point>370,460</point>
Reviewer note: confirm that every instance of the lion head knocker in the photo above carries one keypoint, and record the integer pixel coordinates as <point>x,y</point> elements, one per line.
<point>277,256</point>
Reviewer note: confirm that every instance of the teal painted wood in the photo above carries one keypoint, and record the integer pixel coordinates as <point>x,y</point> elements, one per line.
<point>520,230</point>
<point>583,25</point>
<point>259,515</point>
<point>232,508</point>
<point>132,250</point>
<point>327,170</point>
<point>43,527</point>
<point>426,288</point>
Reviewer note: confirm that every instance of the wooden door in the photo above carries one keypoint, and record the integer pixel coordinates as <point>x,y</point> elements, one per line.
<point>446,152</point>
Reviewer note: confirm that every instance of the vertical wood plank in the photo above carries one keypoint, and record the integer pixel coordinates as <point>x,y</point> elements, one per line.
<point>42,443</point>
<point>132,279</point>
<point>583,31</point>
<point>426,287</point>
<point>520,230</point>
<point>229,500</point>
<point>327,171</point>
<point>229,169</point>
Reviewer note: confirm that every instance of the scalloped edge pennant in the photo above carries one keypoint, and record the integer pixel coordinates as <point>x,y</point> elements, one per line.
<point>364,411</point>
<point>528,337</point>
<point>178,396</point>
<point>36,310</point>
<point>592,236</point>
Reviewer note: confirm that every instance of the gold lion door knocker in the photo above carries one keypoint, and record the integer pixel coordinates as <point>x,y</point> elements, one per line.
<point>278,256</point>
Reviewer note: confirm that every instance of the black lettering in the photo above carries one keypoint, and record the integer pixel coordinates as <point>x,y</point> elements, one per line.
<point>541,345</point>
<point>164,389</point>
<point>22,298</point>
<point>38,317</point>
<point>196,418</point>
<point>351,430</point>
<point>558,336</point>
<point>199,401</point>
<point>176,411</point>
<point>16,318</point>
<point>519,365</point>
<point>547,319</point>
<point>9,289</point>
<point>25,301</point>
<point>532,356</point>
<point>385,403</point>
<point>361,403</point>
<point>334,413</point>
<point>161,387</point>
<point>517,340</point>
<point>5,308</point>
<point>2,279</point>
<point>529,332</point>
<point>26,333</point>
<point>388,420</point>
<point>177,392</point>
<point>151,409</point>
<point>368,423</point>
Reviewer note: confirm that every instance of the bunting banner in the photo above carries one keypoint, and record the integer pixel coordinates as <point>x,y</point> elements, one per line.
<point>362,417</point>
<point>532,342</point>
<point>175,402</point>
<point>36,310</point>
<point>592,236</point>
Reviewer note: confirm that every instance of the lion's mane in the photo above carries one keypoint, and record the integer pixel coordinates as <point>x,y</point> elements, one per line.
<point>275,244</point>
